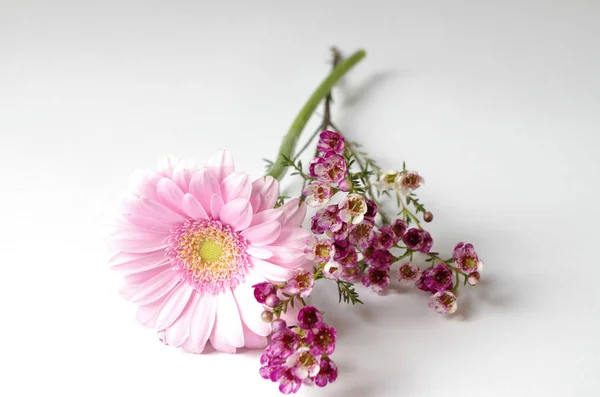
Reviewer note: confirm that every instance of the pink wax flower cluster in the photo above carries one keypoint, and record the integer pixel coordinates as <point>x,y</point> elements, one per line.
<point>328,171</point>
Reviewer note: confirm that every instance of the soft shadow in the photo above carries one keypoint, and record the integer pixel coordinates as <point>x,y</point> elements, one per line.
<point>353,96</point>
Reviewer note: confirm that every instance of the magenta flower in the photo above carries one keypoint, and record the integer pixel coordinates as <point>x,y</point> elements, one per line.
<point>443,302</point>
<point>326,219</point>
<point>308,317</point>
<point>427,242</point>
<point>361,235</point>
<point>385,238</point>
<point>435,279</point>
<point>380,258</point>
<point>350,273</point>
<point>300,283</point>
<point>350,259</point>
<point>413,238</point>
<point>466,258</point>
<point>342,249</point>
<point>341,233</point>
<point>399,226</point>
<point>193,241</point>
<point>283,344</point>
<point>317,193</point>
<point>319,250</point>
<point>371,210</point>
<point>473,278</point>
<point>303,363</point>
<point>321,339</point>
<point>262,291</point>
<point>377,278</point>
<point>328,372</point>
<point>408,273</point>
<point>288,382</point>
<point>331,141</point>
<point>331,168</point>
<point>352,208</point>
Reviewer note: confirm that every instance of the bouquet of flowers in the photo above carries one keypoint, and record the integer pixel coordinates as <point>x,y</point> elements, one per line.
<point>214,258</point>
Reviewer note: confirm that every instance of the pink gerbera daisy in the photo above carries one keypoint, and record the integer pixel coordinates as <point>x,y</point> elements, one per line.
<point>193,241</point>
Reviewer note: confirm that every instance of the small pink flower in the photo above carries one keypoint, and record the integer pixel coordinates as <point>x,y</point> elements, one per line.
<point>317,193</point>
<point>308,317</point>
<point>350,259</point>
<point>350,273</point>
<point>371,210</point>
<point>377,278</point>
<point>413,238</point>
<point>361,235</point>
<point>399,226</point>
<point>331,141</point>
<point>353,208</point>
<point>262,291</point>
<point>385,238</point>
<point>409,181</point>
<point>342,249</point>
<point>288,382</point>
<point>300,283</point>
<point>427,242</point>
<point>443,302</point>
<point>283,344</point>
<point>303,363</point>
<point>327,373</point>
<point>380,258</point>
<point>331,168</point>
<point>408,273</point>
<point>332,270</point>
<point>326,219</point>
<point>321,339</point>
<point>320,250</point>
<point>436,279</point>
<point>466,258</point>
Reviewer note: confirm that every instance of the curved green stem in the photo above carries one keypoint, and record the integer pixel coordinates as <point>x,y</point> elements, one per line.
<point>291,138</point>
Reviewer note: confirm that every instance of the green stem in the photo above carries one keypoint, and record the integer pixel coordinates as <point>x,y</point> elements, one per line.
<point>291,138</point>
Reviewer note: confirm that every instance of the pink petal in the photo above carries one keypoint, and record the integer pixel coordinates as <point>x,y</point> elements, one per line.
<point>295,212</point>
<point>179,331</point>
<point>167,164</point>
<point>237,214</point>
<point>216,205</point>
<point>202,322</point>
<point>252,340</point>
<point>137,242</point>
<point>227,333</point>
<point>285,254</point>
<point>259,252</point>
<point>182,174</point>
<point>170,195</point>
<point>250,310</point>
<point>221,164</point>
<point>255,201</point>
<point>146,314</point>
<point>143,183</point>
<point>262,234</point>
<point>203,185</point>
<point>134,280</point>
<point>156,287</point>
<point>274,214</point>
<point>174,305</point>
<point>236,185</point>
<point>192,207</point>
<point>267,188</point>
<point>131,263</point>
<point>292,236</point>
<point>146,212</point>
<point>270,271</point>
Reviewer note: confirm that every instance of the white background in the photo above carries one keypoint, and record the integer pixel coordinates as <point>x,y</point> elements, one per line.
<point>496,103</point>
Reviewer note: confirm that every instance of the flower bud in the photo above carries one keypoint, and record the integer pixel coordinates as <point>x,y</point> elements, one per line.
<point>279,325</point>
<point>428,216</point>
<point>266,316</point>
<point>345,185</point>
<point>272,300</point>
<point>473,278</point>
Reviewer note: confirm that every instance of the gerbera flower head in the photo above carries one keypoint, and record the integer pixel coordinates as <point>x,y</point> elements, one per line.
<point>192,243</point>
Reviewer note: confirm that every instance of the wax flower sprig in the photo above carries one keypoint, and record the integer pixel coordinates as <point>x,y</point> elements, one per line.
<point>353,242</point>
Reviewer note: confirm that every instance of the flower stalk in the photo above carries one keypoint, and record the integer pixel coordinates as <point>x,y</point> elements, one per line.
<point>288,144</point>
